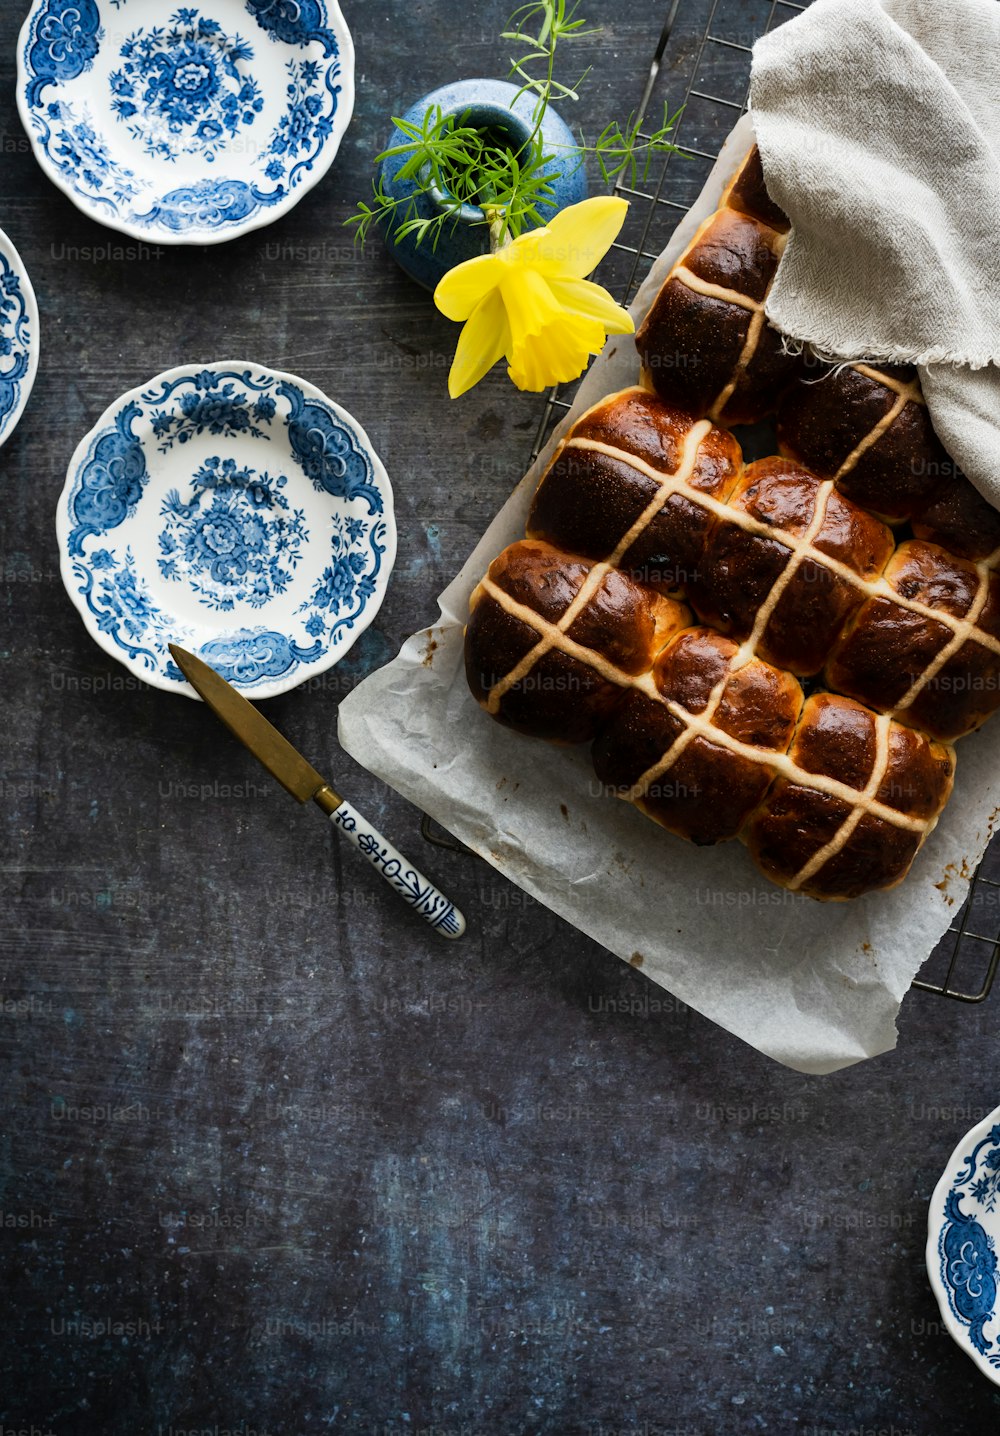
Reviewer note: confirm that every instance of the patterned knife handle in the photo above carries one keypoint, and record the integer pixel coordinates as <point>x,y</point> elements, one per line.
<point>411,885</point>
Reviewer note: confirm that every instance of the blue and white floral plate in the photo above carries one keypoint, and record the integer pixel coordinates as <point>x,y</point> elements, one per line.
<point>235,511</point>
<point>962,1235</point>
<point>185,124</point>
<point>18,337</point>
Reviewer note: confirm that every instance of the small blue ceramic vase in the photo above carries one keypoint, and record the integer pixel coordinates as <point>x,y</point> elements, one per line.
<point>492,105</point>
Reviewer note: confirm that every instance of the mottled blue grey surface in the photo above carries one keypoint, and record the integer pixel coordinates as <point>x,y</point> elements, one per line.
<point>275,1158</point>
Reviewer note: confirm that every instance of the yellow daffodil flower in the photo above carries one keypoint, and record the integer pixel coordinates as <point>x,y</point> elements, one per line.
<point>532,302</point>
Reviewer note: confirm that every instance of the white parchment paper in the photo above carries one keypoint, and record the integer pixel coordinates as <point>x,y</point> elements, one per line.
<point>815,985</point>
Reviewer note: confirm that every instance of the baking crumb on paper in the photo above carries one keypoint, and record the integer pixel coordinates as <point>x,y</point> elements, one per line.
<point>955,873</point>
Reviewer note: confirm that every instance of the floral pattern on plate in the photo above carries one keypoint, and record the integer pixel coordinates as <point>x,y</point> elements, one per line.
<point>236,511</point>
<point>193,129</point>
<point>186,88</point>
<point>235,539</point>
<point>963,1228</point>
<point>18,337</point>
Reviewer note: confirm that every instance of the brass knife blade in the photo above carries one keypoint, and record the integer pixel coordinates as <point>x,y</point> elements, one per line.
<point>249,725</point>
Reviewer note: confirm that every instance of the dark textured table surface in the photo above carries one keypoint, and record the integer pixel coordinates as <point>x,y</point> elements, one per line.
<point>275,1158</point>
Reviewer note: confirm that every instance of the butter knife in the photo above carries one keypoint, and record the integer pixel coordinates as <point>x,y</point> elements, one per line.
<point>300,779</point>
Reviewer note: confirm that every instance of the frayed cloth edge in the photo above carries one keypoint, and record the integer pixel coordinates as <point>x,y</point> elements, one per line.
<point>832,353</point>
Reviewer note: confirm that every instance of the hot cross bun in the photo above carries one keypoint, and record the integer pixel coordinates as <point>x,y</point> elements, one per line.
<point>705,344</point>
<point>749,649</point>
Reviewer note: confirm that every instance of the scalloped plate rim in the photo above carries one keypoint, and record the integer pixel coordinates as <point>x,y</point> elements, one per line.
<point>935,1221</point>
<point>266,216</point>
<point>8,246</point>
<point>301,674</point>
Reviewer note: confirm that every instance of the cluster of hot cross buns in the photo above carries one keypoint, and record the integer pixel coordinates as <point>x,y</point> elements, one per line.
<point>750,649</point>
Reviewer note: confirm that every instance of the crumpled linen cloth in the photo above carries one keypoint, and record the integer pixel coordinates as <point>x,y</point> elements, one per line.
<point>878,123</point>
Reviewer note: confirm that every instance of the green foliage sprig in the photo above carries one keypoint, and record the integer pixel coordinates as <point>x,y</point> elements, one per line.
<point>462,165</point>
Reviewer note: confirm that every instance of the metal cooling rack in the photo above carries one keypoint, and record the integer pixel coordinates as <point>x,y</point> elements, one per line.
<point>965,961</point>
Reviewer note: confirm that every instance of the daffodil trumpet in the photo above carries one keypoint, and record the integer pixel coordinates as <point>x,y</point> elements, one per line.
<point>529,300</point>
